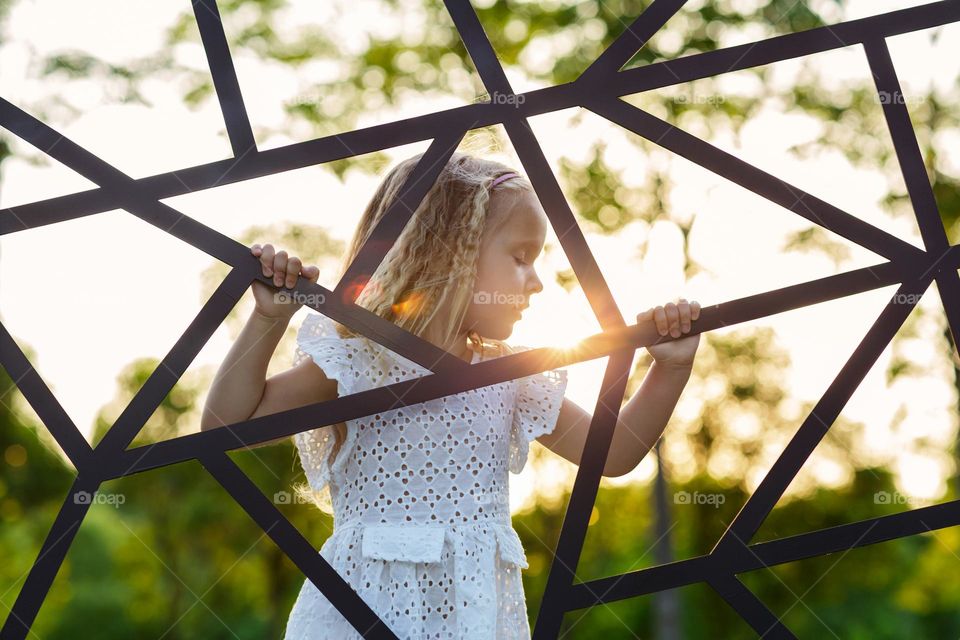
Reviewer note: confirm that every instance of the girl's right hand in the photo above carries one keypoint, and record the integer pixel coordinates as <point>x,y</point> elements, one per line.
<point>270,302</point>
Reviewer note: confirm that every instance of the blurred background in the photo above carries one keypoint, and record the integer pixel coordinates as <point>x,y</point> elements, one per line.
<point>97,302</point>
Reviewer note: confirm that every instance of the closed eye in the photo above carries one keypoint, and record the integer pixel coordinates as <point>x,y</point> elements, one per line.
<point>519,260</point>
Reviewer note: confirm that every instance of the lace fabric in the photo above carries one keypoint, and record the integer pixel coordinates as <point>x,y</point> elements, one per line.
<point>420,496</point>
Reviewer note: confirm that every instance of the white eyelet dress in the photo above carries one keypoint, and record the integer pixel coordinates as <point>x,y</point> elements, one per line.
<point>419,495</point>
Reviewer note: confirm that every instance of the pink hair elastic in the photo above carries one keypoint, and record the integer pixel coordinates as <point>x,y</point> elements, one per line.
<point>505,176</point>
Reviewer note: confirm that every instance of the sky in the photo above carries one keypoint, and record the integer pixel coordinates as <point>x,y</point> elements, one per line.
<point>73,291</point>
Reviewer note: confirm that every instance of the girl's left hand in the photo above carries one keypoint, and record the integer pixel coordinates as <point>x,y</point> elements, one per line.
<point>674,319</point>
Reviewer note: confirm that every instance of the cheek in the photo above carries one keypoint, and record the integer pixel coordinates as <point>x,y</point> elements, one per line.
<point>505,279</point>
<point>495,287</point>
<point>494,275</point>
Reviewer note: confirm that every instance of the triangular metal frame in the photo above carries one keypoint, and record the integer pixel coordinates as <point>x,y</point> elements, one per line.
<point>598,89</point>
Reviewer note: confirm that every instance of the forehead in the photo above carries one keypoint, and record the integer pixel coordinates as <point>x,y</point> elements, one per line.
<point>519,217</point>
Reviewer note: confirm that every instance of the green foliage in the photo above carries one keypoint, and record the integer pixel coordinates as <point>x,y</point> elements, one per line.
<point>167,552</point>
<point>886,590</point>
<point>598,197</point>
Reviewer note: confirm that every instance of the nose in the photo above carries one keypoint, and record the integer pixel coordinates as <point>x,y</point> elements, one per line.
<point>537,285</point>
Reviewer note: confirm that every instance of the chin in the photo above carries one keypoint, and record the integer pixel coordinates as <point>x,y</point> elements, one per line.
<point>508,329</point>
<point>498,330</point>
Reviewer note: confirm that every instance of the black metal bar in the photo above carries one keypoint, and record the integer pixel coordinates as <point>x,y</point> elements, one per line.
<point>127,195</point>
<point>224,77</point>
<point>749,177</point>
<point>478,46</point>
<point>564,224</point>
<point>410,392</point>
<point>324,577</point>
<point>759,505</point>
<point>633,38</point>
<point>914,175</point>
<point>784,47</point>
<point>409,130</point>
<point>36,392</point>
<point>541,176</point>
<point>173,365</point>
<point>397,216</point>
<point>765,555</point>
<point>576,519</point>
<point>216,244</point>
<point>51,556</point>
<point>750,608</point>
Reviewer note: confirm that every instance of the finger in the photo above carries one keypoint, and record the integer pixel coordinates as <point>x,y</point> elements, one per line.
<point>660,319</point>
<point>293,271</point>
<point>673,317</point>
<point>694,309</point>
<point>255,249</point>
<point>266,259</point>
<point>684,308</point>
<point>279,268</point>
<point>311,272</point>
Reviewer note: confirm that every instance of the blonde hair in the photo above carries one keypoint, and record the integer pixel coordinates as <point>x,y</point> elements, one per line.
<point>426,280</point>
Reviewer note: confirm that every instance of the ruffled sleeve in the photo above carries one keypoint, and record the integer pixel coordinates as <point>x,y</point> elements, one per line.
<point>539,397</point>
<point>339,358</point>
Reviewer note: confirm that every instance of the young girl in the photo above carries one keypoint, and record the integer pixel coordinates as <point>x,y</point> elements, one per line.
<point>422,526</point>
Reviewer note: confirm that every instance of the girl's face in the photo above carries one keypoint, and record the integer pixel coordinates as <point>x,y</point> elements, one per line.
<point>505,275</point>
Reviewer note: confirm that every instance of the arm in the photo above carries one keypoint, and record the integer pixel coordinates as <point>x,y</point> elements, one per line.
<point>642,420</point>
<point>239,391</point>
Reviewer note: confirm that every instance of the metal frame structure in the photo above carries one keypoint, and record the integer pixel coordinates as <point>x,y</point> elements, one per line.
<point>597,90</point>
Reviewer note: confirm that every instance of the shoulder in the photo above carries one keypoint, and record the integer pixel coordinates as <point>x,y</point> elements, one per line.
<point>333,348</point>
<point>316,325</point>
<point>549,381</point>
<point>359,362</point>
<point>319,334</point>
<point>552,380</point>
